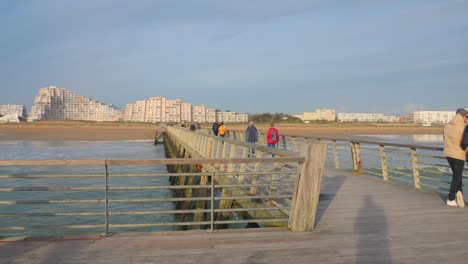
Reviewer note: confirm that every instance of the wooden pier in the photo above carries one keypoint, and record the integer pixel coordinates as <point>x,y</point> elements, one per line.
<point>363,217</point>
<point>359,220</point>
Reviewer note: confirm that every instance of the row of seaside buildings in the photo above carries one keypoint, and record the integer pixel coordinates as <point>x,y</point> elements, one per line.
<point>54,103</point>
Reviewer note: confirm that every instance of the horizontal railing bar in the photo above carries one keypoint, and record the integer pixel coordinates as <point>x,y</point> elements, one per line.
<point>51,214</point>
<point>143,212</point>
<point>41,189</point>
<point>372,173</point>
<point>51,201</point>
<point>51,176</point>
<point>398,159</point>
<point>376,143</point>
<point>251,221</point>
<point>401,179</point>
<point>433,179</point>
<point>434,187</point>
<point>159,224</point>
<point>252,197</point>
<point>52,162</point>
<point>193,161</point>
<point>439,173</point>
<point>149,162</point>
<point>51,227</point>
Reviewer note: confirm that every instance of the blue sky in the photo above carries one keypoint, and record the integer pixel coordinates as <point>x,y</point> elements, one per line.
<point>251,56</point>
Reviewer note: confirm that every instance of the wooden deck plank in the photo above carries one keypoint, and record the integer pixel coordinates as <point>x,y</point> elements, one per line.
<point>360,220</point>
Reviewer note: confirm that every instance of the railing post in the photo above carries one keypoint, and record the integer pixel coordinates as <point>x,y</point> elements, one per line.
<point>383,161</point>
<point>294,144</point>
<point>356,156</point>
<point>283,138</point>
<point>307,190</point>
<point>106,203</point>
<point>414,160</point>
<point>335,155</point>
<point>212,202</point>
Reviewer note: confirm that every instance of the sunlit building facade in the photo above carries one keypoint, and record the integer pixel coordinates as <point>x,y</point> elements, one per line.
<point>54,103</point>
<point>13,109</point>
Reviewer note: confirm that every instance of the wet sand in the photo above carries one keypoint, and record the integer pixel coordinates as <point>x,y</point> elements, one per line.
<point>111,132</point>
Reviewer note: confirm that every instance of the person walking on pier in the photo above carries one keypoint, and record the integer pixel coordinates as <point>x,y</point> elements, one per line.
<point>273,137</point>
<point>251,136</point>
<point>192,127</point>
<point>221,129</point>
<point>214,128</point>
<point>455,152</point>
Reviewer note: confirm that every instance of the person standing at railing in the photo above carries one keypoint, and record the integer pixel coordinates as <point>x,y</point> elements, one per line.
<point>273,137</point>
<point>456,155</point>
<point>251,136</point>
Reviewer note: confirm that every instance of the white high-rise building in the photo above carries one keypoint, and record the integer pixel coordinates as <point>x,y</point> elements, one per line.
<point>54,103</point>
<point>431,117</point>
<point>13,109</point>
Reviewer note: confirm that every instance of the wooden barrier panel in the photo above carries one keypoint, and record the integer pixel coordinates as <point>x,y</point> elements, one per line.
<point>307,192</point>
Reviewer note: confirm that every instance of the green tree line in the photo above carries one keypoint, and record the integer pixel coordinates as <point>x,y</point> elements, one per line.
<point>275,118</point>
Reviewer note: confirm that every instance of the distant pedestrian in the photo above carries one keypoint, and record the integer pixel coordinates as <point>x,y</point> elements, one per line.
<point>198,126</point>
<point>193,127</point>
<point>273,137</point>
<point>251,136</point>
<point>454,150</point>
<point>221,129</point>
<point>214,128</point>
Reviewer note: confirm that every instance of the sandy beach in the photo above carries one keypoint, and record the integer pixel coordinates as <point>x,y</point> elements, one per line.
<point>110,132</point>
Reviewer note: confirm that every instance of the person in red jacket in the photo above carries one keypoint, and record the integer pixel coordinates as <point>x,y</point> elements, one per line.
<point>273,137</point>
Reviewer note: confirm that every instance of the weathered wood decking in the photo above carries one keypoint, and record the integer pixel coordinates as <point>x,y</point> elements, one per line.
<point>359,220</point>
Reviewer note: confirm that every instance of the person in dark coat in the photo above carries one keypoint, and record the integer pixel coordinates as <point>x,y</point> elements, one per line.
<point>251,136</point>
<point>214,128</point>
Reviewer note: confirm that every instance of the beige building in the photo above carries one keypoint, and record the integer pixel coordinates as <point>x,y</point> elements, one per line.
<point>199,113</point>
<point>211,115</point>
<point>323,114</point>
<point>160,109</point>
<point>13,109</point>
<point>54,103</point>
<point>186,112</point>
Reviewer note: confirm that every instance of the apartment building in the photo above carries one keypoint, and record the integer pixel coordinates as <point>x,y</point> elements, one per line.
<point>13,109</point>
<point>431,117</point>
<point>323,114</point>
<point>361,117</point>
<point>186,113</point>
<point>160,109</point>
<point>199,113</point>
<point>54,103</point>
<point>211,115</point>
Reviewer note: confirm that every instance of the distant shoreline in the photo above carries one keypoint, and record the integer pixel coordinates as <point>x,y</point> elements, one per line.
<point>116,132</point>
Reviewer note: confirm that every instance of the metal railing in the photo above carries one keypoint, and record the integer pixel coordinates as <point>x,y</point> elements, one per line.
<point>265,194</point>
<point>422,167</point>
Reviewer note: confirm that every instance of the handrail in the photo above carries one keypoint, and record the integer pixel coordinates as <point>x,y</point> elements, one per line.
<point>426,165</point>
<point>268,189</point>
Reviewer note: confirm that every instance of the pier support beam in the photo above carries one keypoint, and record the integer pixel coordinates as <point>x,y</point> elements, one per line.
<point>307,191</point>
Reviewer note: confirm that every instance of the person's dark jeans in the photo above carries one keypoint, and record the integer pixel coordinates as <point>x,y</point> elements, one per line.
<point>271,146</point>
<point>457,176</point>
<point>251,150</point>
